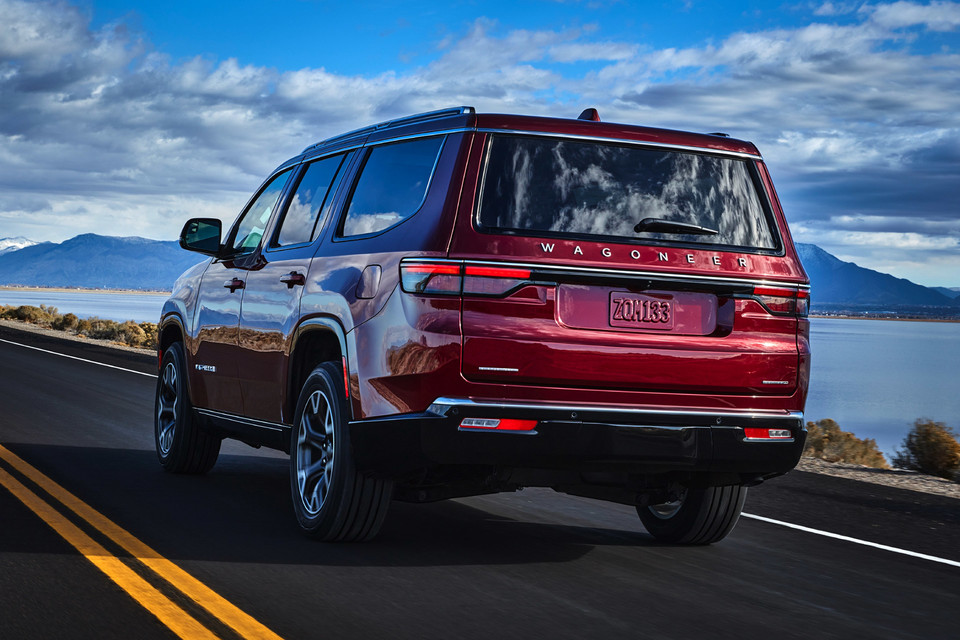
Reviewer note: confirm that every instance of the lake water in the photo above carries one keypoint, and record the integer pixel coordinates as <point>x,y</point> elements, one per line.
<point>874,377</point>
<point>139,307</point>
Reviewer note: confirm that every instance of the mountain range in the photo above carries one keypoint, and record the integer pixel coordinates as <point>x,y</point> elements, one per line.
<point>91,261</point>
<point>108,262</point>
<point>837,283</point>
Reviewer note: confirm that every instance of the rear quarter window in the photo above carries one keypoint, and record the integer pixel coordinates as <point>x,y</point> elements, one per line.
<point>556,187</point>
<point>392,185</point>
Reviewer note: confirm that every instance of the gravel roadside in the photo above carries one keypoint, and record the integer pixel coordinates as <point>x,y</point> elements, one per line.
<point>899,478</point>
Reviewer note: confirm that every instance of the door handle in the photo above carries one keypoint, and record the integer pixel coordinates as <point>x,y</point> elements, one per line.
<point>293,278</point>
<point>233,285</point>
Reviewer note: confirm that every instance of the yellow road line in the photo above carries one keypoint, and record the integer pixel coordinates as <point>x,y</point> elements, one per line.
<point>178,620</point>
<point>242,623</point>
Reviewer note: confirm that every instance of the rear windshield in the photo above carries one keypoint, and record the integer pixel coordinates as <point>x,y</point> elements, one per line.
<point>554,187</point>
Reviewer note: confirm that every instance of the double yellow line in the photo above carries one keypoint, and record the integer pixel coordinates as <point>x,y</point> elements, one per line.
<point>168,612</point>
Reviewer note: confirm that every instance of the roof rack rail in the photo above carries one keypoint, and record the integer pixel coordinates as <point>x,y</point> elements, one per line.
<point>419,117</point>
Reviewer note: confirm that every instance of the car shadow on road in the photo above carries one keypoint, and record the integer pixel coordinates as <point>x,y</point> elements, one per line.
<point>241,512</point>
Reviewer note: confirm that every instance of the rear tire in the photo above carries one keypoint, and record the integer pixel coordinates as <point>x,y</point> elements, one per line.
<point>332,501</point>
<point>182,446</point>
<point>700,516</point>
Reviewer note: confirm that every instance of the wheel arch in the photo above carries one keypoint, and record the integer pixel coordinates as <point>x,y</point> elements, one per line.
<point>171,330</point>
<point>316,340</point>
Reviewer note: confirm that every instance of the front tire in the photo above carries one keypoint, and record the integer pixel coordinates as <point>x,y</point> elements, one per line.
<point>698,516</point>
<point>182,446</point>
<point>331,500</point>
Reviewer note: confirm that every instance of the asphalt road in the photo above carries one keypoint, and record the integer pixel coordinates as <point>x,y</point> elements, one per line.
<point>535,564</point>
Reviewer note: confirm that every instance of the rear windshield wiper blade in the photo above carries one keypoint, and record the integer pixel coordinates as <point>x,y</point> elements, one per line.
<point>672,226</point>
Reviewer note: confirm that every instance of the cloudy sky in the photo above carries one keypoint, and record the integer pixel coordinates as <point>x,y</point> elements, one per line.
<point>127,117</point>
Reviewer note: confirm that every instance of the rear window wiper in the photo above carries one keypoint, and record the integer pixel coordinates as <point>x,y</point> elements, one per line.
<point>673,226</point>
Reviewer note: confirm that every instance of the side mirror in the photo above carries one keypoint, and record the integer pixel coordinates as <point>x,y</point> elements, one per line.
<point>201,235</point>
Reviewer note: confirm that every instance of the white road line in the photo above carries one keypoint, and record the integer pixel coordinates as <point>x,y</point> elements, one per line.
<point>837,536</point>
<point>63,355</point>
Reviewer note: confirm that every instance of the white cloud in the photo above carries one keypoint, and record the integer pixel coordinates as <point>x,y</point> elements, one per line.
<point>859,123</point>
<point>836,8</point>
<point>579,52</point>
<point>936,16</point>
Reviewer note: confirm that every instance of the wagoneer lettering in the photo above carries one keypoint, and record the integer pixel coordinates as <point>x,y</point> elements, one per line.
<point>454,303</point>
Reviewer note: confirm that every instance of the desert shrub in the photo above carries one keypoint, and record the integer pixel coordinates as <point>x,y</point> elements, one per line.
<point>42,315</point>
<point>930,447</point>
<point>132,334</point>
<point>66,322</point>
<point>827,441</point>
<point>151,335</point>
<point>100,329</point>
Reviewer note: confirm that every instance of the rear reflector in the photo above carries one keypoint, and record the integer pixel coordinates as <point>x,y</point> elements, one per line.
<point>498,424</point>
<point>752,433</point>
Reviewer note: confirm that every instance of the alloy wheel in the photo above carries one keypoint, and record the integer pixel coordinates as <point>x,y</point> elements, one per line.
<point>315,452</point>
<point>168,405</point>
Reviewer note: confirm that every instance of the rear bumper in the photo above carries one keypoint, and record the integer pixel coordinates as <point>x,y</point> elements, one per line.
<point>635,441</point>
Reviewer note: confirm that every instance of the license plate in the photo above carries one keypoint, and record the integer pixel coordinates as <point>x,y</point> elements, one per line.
<point>638,311</point>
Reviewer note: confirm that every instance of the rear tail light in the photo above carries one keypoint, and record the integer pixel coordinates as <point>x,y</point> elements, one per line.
<point>450,278</point>
<point>497,424</point>
<point>783,301</point>
<point>438,278</point>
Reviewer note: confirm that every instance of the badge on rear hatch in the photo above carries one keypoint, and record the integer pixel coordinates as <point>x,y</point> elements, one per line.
<point>639,311</point>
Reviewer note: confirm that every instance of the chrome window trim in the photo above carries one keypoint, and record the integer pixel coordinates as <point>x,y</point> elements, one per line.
<point>371,145</point>
<point>416,118</point>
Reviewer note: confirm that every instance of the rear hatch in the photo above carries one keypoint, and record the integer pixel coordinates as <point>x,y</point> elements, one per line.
<point>623,265</point>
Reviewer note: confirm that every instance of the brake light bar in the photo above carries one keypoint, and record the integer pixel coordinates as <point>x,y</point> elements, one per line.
<point>453,278</point>
<point>497,272</point>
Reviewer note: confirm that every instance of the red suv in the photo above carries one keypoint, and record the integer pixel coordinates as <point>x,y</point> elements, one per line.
<point>455,303</point>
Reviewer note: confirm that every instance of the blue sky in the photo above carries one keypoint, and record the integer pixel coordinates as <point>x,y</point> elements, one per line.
<point>126,118</point>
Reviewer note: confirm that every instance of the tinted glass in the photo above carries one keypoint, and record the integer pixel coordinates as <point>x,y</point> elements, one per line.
<point>562,187</point>
<point>249,229</point>
<point>392,185</point>
<point>302,215</point>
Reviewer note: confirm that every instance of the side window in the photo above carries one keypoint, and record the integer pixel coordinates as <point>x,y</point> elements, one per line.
<point>249,228</point>
<point>301,222</point>
<point>392,185</point>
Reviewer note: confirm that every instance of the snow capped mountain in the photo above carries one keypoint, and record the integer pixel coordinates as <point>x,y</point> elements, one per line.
<point>14,244</point>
